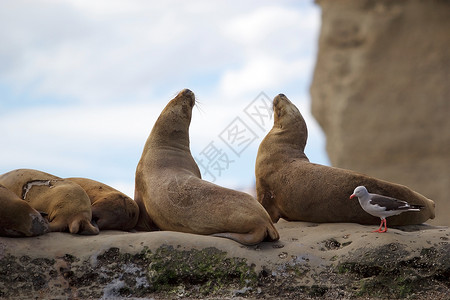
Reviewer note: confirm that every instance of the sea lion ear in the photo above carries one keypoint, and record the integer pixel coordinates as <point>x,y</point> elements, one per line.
<point>44,214</point>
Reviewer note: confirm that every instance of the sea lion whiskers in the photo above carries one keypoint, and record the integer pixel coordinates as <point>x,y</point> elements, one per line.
<point>198,105</point>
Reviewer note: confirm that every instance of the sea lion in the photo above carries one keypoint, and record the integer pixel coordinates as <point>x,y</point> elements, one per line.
<point>171,194</point>
<point>18,218</point>
<point>65,202</point>
<point>292,188</point>
<point>111,209</point>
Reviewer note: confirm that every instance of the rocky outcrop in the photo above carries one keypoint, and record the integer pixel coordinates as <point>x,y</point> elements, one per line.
<point>310,261</point>
<point>381,92</point>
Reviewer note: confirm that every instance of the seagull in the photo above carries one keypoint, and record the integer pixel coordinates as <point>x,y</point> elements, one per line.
<point>382,206</point>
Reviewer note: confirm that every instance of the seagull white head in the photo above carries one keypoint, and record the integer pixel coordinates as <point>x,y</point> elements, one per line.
<point>359,192</point>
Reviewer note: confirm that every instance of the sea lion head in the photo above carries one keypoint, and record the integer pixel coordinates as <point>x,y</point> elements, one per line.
<point>181,105</point>
<point>172,126</point>
<point>115,211</point>
<point>288,123</point>
<point>18,218</point>
<point>39,223</point>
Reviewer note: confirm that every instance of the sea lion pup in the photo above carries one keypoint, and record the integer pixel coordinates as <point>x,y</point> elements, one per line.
<point>65,202</point>
<point>111,209</point>
<point>292,188</point>
<point>18,218</point>
<point>171,194</point>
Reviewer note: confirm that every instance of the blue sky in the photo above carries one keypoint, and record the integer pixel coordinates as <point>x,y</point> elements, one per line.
<point>82,82</point>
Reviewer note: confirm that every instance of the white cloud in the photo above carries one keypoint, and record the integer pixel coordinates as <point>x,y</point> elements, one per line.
<point>125,187</point>
<point>98,51</point>
<point>277,45</point>
<point>88,124</point>
<point>264,73</point>
<point>87,79</point>
<point>274,30</point>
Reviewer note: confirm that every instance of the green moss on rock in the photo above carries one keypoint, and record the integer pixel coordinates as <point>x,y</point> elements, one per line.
<point>209,269</point>
<point>391,271</point>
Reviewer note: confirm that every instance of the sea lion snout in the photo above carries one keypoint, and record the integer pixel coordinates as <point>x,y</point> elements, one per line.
<point>187,97</point>
<point>279,99</point>
<point>39,224</point>
<point>187,93</point>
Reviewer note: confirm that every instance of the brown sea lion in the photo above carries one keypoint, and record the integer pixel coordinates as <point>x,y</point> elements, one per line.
<point>171,194</point>
<point>65,202</point>
<point>292,188</point>
<point>111,209</point>
<point>18,218</point>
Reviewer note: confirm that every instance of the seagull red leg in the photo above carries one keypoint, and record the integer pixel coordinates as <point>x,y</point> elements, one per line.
<point>385,226</point>
<point>379,229</point>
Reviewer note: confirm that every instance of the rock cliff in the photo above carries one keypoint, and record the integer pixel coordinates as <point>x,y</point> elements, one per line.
<point>381,92</point>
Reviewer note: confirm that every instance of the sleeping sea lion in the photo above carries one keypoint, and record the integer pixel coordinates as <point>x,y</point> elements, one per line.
<point>18,218</point>
<point>111,209</point>
<point>65,202</point>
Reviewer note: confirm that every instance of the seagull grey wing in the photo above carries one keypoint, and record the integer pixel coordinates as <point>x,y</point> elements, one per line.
<point>389,202</point>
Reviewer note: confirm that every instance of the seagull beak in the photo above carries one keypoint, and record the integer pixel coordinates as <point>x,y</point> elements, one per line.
<point>352,195</point>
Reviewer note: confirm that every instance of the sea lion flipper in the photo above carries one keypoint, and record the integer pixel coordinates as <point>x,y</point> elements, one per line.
<point>55,226</point>
<point>88,228</point>
<point>251,238</point>
<point>272,234</point>
<point>243,238</point>
<point>82,226</point>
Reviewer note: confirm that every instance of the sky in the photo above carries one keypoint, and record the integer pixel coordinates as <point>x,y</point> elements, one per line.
<point>82,82</point>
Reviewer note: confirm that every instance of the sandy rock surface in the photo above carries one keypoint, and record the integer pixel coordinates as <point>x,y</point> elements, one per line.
<point>326,261</point>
